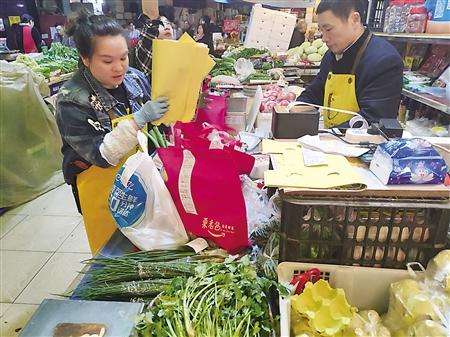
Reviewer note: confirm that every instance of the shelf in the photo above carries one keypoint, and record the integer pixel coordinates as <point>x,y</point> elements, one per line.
<point>438,103</point>
<point>417,38</point>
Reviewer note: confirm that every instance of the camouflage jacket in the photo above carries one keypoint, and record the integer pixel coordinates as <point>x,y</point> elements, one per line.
<point>83,112</point>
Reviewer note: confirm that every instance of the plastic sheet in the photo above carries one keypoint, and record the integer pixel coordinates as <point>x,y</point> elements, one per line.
<point>30,162</point>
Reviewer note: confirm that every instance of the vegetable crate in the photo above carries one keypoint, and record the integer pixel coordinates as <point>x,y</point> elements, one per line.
<point>376,14</point>
<point>372,232</point>
<point>365,288</point>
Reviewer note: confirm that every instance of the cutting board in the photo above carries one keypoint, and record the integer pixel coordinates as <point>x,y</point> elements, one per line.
<point>57,318</point>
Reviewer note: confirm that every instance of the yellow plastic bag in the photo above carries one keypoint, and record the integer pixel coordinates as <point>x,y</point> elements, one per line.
<point>178,69</point>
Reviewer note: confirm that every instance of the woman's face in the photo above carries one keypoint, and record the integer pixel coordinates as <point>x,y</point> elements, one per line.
<point>165,30</point>
<point>109,61</point>
<point>200,30</point>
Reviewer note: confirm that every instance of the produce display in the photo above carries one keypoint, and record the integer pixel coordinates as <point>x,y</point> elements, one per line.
<point>58,60</point>
<point>138,276</point>
<point>418,306</point>
<point>307,52</point>
<point>224,66</point>
<point>275,95</point>
<point>246,53</point>
<point>221,300</point>
<point>423,303</point>
<point>259,75</point>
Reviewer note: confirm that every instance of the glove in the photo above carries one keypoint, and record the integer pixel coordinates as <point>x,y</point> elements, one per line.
<point>151,111</point>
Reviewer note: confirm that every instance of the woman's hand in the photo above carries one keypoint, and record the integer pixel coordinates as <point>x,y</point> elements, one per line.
<point>151,111</point>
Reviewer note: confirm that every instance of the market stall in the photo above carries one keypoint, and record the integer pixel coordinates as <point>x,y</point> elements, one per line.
<point>252,218</point>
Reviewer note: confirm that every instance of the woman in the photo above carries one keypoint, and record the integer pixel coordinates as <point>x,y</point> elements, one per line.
<point>99,112</point>
<point>153,29</point>
<point>204,36</point>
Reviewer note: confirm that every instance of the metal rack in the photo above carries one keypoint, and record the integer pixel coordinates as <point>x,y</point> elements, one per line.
<point>417,38</point>
<point>430,100</point>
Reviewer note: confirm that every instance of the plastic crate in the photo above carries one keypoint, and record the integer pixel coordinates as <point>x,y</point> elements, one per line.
<point>376,14</point>
<point>365,288</point>
<point>362,232</point>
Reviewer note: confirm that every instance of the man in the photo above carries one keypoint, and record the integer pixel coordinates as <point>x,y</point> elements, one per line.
<point>161,29</point>
<point>361,73</point>
<point>298,36</point>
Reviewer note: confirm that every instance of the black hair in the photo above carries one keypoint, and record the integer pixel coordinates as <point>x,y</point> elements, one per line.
<point>85,27</point>
<point>343,8</point>
<point>206,30</point>
<point>168,12</point>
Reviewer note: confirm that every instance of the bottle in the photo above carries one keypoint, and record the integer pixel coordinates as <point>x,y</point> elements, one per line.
<point>396,16</point>
<point>404,14</point>
<point>386,18</point>
<point>416,21</point>
<point>402,111</point>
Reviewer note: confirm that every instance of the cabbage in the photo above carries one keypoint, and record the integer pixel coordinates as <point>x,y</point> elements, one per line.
<point>317,43</point>
<point>326,309</point>
<point>438,269</point>
<point>424,328</point>
<point>322,50</point>
<point>295,51</point>
<point>314,57</point>
<point>311,50</point>
<point>366,324</point>
<point>410,302</point>
<point>305,45</point>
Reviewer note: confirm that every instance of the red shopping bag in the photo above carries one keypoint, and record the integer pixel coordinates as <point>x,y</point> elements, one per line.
<point>188,135</point>
<point>213,112</point>
<point>206,189</point>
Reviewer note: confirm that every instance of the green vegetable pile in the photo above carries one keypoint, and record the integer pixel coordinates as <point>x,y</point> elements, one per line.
<point>247,53</point>
<point>157,138</point>
<point>138,276</point>
<point>224,66</point>
<point>258,76</point>
<point>59,59</point>
<point>221,300</point>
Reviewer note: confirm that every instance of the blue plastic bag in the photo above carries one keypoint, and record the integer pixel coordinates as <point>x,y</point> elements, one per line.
<point>408,161</point>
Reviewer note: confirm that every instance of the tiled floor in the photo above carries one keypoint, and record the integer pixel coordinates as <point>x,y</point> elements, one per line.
<point>41,246</point>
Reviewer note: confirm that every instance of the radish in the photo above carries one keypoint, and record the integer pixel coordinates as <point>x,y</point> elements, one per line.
<point>263,107</point>
<point>291,96</point>
<point>284,102</point>
<point>281,96</point>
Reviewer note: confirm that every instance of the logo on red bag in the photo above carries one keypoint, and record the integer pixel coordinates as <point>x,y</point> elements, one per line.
<point>217,229</point>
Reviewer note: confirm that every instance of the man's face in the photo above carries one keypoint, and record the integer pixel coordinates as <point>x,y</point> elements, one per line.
<point>337,33</point>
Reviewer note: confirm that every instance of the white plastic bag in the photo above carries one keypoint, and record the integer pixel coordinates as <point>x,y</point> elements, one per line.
<point>256,204</point>
<point>142,206</point>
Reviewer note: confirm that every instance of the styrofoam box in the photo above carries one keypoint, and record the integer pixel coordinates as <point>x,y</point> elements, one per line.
<point>237,121</point>
<point>266,26</point>
<point>365,288</point>
<point>264,122</point>
<point>237,103</point>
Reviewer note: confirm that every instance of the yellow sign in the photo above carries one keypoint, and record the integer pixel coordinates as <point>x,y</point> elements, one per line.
<point>13,20</point>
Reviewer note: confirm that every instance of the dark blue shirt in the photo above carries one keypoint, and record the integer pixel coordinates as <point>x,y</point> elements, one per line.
<point>379,78</point>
